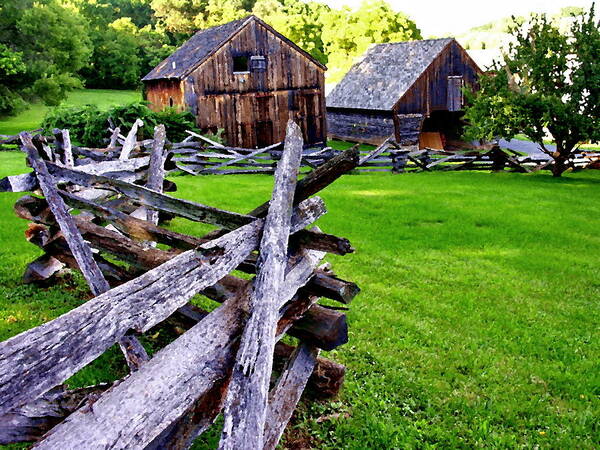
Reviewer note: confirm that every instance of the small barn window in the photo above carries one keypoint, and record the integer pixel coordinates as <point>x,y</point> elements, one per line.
<point>258,64</point>
<point>240,64</point>
<point>171,102</point>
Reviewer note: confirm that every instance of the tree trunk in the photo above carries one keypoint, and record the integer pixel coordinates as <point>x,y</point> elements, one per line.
<point>561,157</point>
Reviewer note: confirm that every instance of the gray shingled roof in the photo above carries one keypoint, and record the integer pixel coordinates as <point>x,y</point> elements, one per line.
<point>195,50</point>
<point>384,73</point>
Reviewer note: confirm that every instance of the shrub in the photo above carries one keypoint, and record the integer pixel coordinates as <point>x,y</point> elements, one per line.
<point>88,125</point>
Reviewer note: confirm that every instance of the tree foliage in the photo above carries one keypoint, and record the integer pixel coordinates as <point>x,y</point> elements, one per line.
<point>49,43</point>
<point>547,82</point>
<point>60,44</point>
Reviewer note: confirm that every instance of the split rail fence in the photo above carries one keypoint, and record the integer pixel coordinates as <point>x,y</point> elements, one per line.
<point>225,360</point>
<point>198,155</point>
<point>205,157</point>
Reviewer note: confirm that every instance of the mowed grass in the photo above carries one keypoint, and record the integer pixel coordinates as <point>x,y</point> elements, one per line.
<point>478,321</point>
<point>31,118</point>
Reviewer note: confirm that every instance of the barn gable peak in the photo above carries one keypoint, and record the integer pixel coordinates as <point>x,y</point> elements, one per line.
<point>205,43</point>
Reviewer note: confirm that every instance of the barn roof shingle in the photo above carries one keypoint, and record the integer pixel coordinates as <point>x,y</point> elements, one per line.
<point>384,74</point>
<point>204,43</point>
<point>194,51</point>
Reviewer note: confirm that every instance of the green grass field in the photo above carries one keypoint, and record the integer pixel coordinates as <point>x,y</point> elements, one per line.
<point>478,321</point>
<point>31,118</point>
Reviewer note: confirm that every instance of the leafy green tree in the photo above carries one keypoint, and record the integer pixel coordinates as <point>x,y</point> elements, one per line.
<point>221,11</point>
<point>115,60</point>
<point>52,42</point>
<point>547,82</point>
<point>179,16</point>
<point>348,33</point>
<point>299,21</point>
<point>11,66</point>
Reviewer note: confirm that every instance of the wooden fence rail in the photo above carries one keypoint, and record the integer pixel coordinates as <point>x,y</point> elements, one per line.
<point>198,155</point>
<point>169,398</point>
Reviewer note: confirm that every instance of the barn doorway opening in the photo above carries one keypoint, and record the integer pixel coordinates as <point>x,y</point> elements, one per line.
<point>442,128</point>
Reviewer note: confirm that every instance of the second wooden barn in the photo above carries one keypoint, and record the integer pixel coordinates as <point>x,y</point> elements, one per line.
<point>245,78</point>
<point>410,90</point>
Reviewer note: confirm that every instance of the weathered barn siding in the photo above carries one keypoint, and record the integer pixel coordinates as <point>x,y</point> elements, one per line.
<point>252,106</point>
<point>396,87</point>
<point>430,92</point>
<point>164,93</point>
<point>369,127</point>
<point>408,128</point>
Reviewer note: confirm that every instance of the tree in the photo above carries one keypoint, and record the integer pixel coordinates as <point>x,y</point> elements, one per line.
<point>123,53</point>
<point>11,66</point>
<point>50,40</point>
<point>348,33</point>
<point>547,81</point>
<point>301,22</point>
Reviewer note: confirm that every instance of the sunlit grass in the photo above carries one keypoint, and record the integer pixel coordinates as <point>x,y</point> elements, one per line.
<point>478,320</point>
<point>31,118</point>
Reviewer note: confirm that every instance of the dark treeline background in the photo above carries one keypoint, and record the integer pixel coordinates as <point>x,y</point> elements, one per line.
<point>48,47</point>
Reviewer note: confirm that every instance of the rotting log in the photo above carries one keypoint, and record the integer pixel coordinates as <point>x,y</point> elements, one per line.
<point>156,171</point>
<point>79,248</point>
<point>30,422</point>
<point>194,363</point>
<point>190,210</point>
<point>130,140</point>
<point>286,393</point>
<point>62,140</point>
<point>28,361</point>
<point>247,397</point>
<point>327,377</point>
<point>31,208</point>
<point>42,268</point>
<point>322,327</point>
<point>132,349</point>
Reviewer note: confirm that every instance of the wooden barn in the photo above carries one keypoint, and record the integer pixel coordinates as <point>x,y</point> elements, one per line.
<point>246,78</point>
<point>412,90</point>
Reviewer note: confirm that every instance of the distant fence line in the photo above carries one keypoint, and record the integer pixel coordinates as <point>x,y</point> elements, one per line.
<point>199,155</point>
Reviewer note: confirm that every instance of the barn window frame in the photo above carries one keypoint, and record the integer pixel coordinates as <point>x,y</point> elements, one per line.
<point>241,64</point>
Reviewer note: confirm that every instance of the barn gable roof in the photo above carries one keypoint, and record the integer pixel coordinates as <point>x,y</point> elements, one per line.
<point>384,74</point>
<point>203,44</point>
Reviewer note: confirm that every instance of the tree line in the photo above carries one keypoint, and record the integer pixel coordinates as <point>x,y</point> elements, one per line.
<point>48,47</point>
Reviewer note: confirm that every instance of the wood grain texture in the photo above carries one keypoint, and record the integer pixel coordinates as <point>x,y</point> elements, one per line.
<point>286,393</point>
<point>130,140</point>
<point>79,248</point>
<point>156,171</point>
<point>147,197</point>
<point>246,404</point>
<point>188,369</point>
<point>30,422</point>
<point>29,362</point>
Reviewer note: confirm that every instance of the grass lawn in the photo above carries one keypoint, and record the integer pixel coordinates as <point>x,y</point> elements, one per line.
<point>31,118</point>
<point>478,324</point>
